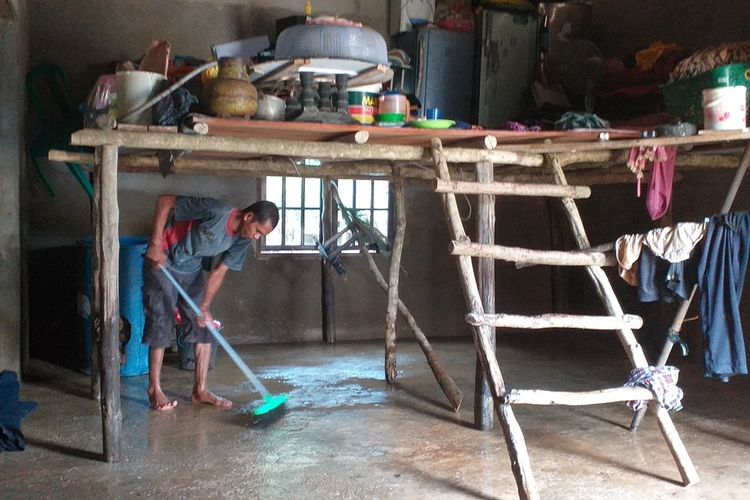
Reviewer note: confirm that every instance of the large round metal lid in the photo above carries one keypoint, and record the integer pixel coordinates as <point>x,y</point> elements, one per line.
<point>330,41</point>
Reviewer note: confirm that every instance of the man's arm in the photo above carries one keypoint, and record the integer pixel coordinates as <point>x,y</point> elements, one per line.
<point>164,205</point>
<point>215,280</point>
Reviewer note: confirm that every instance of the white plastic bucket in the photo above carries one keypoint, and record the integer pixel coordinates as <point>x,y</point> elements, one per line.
<point>725,108</point>
<point>133,89</point>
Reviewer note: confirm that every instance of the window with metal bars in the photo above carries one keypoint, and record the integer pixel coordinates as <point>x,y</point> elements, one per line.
<point>300,207</point>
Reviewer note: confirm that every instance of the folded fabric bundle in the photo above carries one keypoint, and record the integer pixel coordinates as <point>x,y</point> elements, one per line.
<point>662,381</point>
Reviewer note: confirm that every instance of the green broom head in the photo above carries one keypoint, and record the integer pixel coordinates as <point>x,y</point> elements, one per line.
<point>270,403</point>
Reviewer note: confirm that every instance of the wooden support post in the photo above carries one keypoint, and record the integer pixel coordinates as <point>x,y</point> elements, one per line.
<point>627,338</point>
<point>519,456</point>
<point>446,382</point>
<point>483,419</point>
<point>514,441</point>
<point>96,258</point>
<point>328,288</point>
<point>676,447</point>
<point>393,275</point>
<point>107,251</point>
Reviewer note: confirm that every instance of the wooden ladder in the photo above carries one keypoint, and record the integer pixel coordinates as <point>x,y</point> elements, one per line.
<point>482,323</point>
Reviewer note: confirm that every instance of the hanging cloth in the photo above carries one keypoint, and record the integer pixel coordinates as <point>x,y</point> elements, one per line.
<point>660,188</point>
<point>672,243</point>
<point>662,174</point>
<point>721,276</point>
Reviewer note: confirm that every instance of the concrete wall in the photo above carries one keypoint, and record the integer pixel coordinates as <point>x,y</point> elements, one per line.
<point>13,51</point>
<point>621,28</point>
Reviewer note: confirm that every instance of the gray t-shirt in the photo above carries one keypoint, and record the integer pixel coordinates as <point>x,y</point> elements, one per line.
<point>199,228</point>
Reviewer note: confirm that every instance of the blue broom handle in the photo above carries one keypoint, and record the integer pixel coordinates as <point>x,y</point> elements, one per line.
<point>219,338</point>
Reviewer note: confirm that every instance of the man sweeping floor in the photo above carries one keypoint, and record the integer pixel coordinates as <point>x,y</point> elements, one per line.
<point>187,230</point>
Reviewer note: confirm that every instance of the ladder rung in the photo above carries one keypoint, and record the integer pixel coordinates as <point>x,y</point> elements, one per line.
<point>512,189</point>
<point>556,321</point>
<point>529,256</point>
<point>538,397</point>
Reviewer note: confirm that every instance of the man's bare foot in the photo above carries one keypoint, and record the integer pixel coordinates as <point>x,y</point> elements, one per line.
<point>208,398</point>
<point>159,402</point>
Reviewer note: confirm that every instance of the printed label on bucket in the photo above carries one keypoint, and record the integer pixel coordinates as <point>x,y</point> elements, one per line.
<point>725,108</point>
<point>363,106</point>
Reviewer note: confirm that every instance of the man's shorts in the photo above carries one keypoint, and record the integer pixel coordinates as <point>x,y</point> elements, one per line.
<point>160,298</point>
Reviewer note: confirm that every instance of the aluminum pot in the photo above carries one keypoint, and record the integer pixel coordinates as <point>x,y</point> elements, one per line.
<point>270,108</point>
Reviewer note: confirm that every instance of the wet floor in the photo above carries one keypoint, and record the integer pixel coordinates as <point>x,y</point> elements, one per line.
<point>345,434</point>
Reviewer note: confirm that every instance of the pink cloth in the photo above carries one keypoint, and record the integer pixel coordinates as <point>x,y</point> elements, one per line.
<point>662,174</point>
<point>660,188</point>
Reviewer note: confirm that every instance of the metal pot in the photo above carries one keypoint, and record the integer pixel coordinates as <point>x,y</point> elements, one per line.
<point>270,108</point>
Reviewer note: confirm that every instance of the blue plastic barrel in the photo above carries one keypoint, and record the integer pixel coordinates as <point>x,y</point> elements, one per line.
<point>131,301</point>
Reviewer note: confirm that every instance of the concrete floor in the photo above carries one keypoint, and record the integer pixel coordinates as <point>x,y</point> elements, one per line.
<point>345,434</point>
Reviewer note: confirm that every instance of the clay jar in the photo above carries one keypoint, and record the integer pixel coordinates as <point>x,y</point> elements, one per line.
<point>230,94</point>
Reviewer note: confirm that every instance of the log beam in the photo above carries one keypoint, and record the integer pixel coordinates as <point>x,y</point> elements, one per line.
<point>577,147</point>
<point>483,142</point>
<point>511,189</point>
<point>529,256</point>
<point>358,137</point>
<point>193,165</point>
<point>543,321</point>
<point>539,397</point>
<point>304,149</point>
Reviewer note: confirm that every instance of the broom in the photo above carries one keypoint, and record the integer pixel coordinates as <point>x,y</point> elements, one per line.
<point>270,402</point>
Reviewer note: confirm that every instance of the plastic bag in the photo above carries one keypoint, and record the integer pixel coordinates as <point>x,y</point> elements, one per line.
<point>172,109</point>
<point>101,103</point>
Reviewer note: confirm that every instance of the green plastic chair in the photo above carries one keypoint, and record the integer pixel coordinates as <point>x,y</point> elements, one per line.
<point>46,86</point>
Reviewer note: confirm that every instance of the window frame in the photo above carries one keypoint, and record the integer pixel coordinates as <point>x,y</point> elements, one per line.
<point>312,250</point>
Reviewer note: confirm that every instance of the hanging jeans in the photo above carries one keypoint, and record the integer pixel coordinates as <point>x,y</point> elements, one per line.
<point>721,275</point>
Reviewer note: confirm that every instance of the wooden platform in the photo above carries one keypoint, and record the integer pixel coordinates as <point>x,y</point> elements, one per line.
<point>408,136</point>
